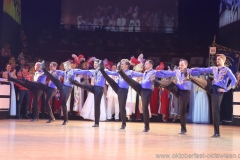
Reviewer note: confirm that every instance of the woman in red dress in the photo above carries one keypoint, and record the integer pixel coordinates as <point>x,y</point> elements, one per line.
<point>154,101</point>
<point>58,97</point>
<point>165,100</point>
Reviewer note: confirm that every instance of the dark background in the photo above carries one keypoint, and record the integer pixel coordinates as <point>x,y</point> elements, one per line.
<point>198,19</point>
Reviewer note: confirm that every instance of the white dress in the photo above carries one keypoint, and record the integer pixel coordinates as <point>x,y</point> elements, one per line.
<point>112,101</point>
<point>88,108</point>
<point>78,96</point>
<point>131,101</point>
<point>68,102</point>
<point>201,112</point>
<point>13,100</point>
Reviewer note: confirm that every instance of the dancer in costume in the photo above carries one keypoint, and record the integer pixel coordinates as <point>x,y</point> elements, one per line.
<point>221,74</point>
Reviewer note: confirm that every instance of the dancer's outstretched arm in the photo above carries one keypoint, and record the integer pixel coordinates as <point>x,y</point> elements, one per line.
<point>80,71</point>
<point>165,74</point>
<point>201,70</point>
<point>131,72</point>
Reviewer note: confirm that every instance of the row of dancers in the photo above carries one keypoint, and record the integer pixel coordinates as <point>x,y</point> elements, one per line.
<point>149,79</point>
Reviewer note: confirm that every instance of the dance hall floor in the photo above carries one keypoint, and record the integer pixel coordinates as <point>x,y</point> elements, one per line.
<point>21,139</point>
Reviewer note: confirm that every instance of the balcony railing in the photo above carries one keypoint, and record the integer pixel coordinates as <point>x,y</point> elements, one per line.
<point>131,28</point>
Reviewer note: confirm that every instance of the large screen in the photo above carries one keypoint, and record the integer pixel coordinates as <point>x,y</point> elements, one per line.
<point>229,12</point>
<point>11,19</point>
<point>13,8</point>
<point>121,16</point>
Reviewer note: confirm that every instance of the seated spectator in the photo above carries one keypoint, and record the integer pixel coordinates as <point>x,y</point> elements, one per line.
<point>121,22</point>
<point>8,71</point>
<point>80,23</point>
<point>112,23</point>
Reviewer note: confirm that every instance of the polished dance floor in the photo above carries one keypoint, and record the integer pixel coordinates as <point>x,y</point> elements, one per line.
<point>22,139</point>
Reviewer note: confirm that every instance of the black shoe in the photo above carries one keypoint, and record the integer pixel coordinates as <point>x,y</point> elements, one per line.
<point>123,127</point>
<point>34,120</point>
<point>182,132</point>
<point>64,122</point>
<point>107,120</point>
<point>50,120</point>
<point>146,129</point>
<point>43,64</point>
<point>216,136</point>
<point>116,120</point>
<point>95,125</point>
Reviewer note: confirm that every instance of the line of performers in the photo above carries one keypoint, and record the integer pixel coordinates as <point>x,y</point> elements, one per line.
<point>149,79</point>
